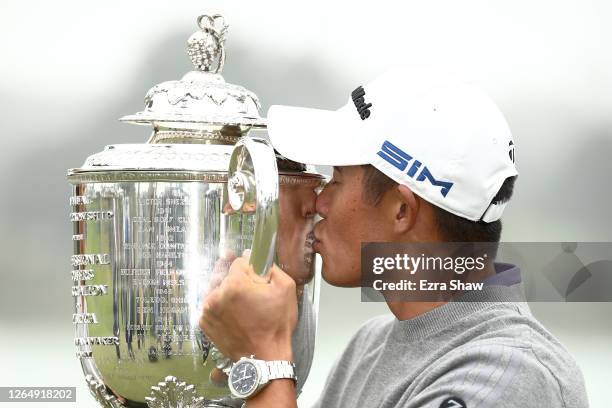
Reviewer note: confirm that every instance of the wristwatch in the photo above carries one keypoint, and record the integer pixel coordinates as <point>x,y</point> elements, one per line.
<point>248,375</point>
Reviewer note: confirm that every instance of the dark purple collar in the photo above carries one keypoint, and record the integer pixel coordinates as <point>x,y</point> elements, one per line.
<point>505,275</point>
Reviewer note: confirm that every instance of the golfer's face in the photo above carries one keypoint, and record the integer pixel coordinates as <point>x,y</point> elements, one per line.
<point>296,221</point>
<point>347,221</point>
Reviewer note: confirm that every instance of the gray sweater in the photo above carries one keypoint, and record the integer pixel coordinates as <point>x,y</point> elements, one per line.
<point>483,350</point>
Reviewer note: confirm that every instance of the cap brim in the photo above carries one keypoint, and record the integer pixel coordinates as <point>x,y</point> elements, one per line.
<point>316,136</point>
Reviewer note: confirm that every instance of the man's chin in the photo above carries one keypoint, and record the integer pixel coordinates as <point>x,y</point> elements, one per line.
<point>340,281</point>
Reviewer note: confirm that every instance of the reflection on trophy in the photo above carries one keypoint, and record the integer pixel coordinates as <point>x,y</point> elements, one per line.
<point>156,226</point>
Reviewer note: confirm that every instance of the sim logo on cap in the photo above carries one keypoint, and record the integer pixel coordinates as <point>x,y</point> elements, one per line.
<point>400,159</point>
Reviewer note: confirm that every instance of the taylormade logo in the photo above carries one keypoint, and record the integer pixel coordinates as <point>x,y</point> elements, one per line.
<point>400,159</point>
<point>363,108</point>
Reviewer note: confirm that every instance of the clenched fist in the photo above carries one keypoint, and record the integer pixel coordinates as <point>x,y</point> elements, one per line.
<point>247,314</point>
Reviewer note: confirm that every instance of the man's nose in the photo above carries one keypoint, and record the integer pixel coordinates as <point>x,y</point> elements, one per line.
<point>322,203</point>
<point>308,204</point>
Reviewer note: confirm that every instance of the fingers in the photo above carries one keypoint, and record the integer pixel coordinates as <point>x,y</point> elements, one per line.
<point>204,322</point>
<point>209,310</point>
<point>286,285</point>
<point>281,278</point>
<point>241,273</point>
<point>242,270</point>
<point>246,254</point>
<point>224,261</point>
<point>212,313</point>
<point>218,377</point>
<point>221,267</point>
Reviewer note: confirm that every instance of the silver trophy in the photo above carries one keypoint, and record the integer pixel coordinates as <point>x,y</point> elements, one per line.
<point>156,226</point>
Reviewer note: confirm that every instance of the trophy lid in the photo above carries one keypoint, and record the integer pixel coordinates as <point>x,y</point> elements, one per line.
<point>175,162</point>
<point>201,100</point>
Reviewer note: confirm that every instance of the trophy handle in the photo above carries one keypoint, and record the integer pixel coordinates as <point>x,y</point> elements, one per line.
<point>252,185</point>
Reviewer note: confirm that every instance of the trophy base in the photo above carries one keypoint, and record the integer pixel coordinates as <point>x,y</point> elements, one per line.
<point>170,393</point>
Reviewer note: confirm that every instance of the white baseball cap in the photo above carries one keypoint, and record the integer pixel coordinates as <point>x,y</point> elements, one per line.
<point>444,139</point>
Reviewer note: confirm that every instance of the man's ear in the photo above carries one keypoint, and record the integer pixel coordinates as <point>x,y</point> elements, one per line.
<point>407,210</point>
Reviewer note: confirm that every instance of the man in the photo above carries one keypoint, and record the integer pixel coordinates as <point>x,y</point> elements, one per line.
<point>418,157</point>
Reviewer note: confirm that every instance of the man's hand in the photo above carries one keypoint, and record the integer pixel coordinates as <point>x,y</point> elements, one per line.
<point>246,315</point>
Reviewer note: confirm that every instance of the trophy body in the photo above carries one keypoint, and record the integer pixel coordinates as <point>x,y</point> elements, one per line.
<point>154,232</point>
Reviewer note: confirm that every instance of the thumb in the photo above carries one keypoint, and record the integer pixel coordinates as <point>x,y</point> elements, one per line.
<point>280,277</point>
<point>246,255</point>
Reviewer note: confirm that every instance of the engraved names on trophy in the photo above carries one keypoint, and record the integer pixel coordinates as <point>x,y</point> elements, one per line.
<point>91,215</point>
<point>90,259</point>
<point>79,200</point>
<point>167,215</point>
<point>165,220</point>
<point>96,341</point>
<point>89,290</point>
<point>82,274</point>
<point>84,318</point>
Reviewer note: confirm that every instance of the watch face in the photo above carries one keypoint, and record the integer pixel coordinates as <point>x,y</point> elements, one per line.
<point>243,378</point>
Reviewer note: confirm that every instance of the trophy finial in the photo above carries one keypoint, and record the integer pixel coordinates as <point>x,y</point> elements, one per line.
<point>206,47</point>
<point>201,104</point>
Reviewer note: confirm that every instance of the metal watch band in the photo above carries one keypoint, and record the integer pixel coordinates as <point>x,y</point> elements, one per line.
<point>281,369</point>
